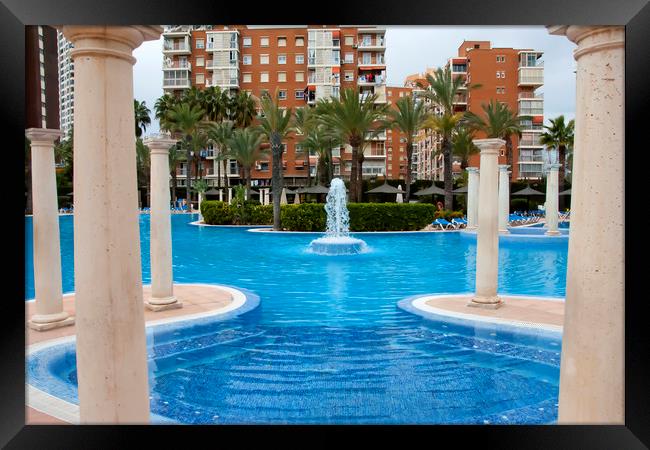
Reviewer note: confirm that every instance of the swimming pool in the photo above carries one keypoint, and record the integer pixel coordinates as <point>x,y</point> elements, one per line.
<point>327,343</point>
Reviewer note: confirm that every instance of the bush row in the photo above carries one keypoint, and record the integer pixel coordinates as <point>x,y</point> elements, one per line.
<point>312,216</point>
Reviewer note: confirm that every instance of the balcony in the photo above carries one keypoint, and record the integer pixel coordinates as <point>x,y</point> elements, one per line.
<point>535,111</point>
<point>368,62</point>
<point>364,80</point>
<point>221,63</point>
<point>176,83</point>
<point>177,47</point>
<point>380,137</point>
<point>168,65</point>
<point>375,153</point>
<point>530,140</point>
<point>530,96</point>
<point>531,76</point>
<point>378,45</point>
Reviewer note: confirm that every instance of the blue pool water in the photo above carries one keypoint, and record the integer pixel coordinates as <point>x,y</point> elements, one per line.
<point>328,343</point>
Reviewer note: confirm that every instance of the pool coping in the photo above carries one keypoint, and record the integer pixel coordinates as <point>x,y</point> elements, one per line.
<point>417,304</point>
<point>242,302</point>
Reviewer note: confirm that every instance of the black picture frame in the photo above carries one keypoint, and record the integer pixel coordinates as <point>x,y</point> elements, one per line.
<point>635,15</point>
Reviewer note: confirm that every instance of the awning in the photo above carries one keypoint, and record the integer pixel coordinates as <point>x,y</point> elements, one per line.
<point>538,119</point>
<point>433,189</point>
<point>528,191</point>
<point>385,189</point>
<point>336,69</point>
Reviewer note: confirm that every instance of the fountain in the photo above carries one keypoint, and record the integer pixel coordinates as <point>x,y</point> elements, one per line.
<point>337,240</point>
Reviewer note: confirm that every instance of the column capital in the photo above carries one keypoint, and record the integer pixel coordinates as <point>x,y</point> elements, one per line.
<point>159,144</point>
<point>43,136</point>
<point>103,40</point>
<point>503,167</point>
<point>489,146</point>
<point>590,38</point>
<point>472,169</point>
<point>554,166</point>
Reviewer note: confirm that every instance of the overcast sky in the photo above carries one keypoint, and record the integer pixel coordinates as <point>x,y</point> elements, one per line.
<point>412,49</point>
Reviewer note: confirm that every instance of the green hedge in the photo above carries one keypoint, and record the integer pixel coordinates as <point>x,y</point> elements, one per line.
<point>312,216</point>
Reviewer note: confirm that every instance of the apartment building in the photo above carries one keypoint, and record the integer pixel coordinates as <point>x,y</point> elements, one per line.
<point>511,76</point>
<point>303,63</point>
<point>507,75</point>
<point>66,83</point>
<point>41,78</point>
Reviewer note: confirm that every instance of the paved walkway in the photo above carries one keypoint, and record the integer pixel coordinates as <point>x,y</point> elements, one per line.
<point>196,299</point>
<point>546,312</point>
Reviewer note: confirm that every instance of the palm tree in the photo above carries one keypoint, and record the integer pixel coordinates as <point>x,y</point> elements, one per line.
<point>442,90</point>
<point>215,103</point>
<point>463,145</point>
<point>244,146</point>
<point>143,167</point>
<point>142,118</point>
<point>164,104</point>
<point>409,118</point>
<point>560,136</point>
<point>303,122</point>
<point>500,122</point>
<point>275,126</point>
<point>200,187</point>
<point>355,121</point>
<point>242,108</point>
<point>186,120</point>
<point>445,125</point>
<point>321,142</point>
<point>220,134</point>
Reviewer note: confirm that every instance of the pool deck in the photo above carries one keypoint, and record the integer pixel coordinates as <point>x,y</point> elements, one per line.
<point>197,299</point>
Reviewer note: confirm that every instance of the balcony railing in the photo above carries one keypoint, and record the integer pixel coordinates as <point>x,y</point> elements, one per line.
<point>177,65</point>
<point>534,79</point>
<point>531,111</point>
<point>531,95</point>
<point>213,64</point>
<point>528,64</point>
<point>176,47</point>
<point>366,62</point>
<point>176,82</point>
<point>379,43</point>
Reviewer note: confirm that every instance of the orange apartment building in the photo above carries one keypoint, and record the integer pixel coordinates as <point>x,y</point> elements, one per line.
<point>507,75</point>
<point>304,63</point>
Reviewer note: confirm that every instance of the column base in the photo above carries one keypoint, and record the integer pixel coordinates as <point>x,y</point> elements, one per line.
<point>552,233</point>
<point>44,326</point>
<point>163,304</point>
<point>504,231</point>
<point>486,302</point>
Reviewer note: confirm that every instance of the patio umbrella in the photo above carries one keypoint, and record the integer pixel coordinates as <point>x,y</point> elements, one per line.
<point>527,192</point>
<point>400,197</point>
<point>318,189</point>
<point>567,192</point>
<point>460,191</point>
<point>283,197</point>
<point>296,199</point>
<point>385,189</point>
<point>213,191</point>
<point>433,189</point>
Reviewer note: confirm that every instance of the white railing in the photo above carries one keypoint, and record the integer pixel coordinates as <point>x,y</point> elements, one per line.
<point>177,65</point>
<point>174,82</point>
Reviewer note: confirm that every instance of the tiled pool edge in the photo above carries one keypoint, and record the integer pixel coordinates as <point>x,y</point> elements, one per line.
<point>417,304</point>
<point>242,302</point>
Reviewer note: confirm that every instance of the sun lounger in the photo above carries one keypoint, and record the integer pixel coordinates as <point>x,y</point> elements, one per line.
<point>443,224</point>
<point>459,223</point>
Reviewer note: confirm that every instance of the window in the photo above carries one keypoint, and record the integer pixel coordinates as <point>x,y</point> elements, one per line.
<point>200,78</point>
<point>200,43</point>
<point>348,40</point>
<point>367,58</point>
<point>247,60</point>
<point>282,95</point>
<point>264,166</point>
<point>299,94</point>
<point>282,77</point>
<point>300,41</point>
<point>300,76</point>
<point>248,42</point>
<point>390,93</point>
<point>264,42</point>
<point>498,74</point>
<point>248,78</point>
<point>349,57</point>
<point>282,41</point>
<point>503,74</point>
<point>348,76</point>
<point>264,77</point>
<point>401,94</point>
<point>282,59</point>
<point>300,59</point>
<point>200,61</point>
<point>264,59</point>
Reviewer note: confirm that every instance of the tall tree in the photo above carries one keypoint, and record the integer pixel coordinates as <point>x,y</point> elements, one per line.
<point>409,117</point>
<point>186,120</point>
<point>220,134</point>
<point>355,121</point>
<point>175,156</point>
<point>275,125</point>
<point>242,108</point>
<point>142,117</point>
<point>304,121</point>
<point>143,159</point>
<point>560,136</point>
<point>445,125</point>
<point>442,89</point>
<point>463,145</point>
<point>499,121</point>
<point>320,141</point>
<point>244,146</point>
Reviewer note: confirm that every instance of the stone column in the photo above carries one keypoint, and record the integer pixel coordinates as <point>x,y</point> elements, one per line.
<point>45,221</point>
<point>472,197</point>
<point>220,194</point>
<point>552,200</point>
<point>504,198</point>
<point>229,195</point>
<point>160,245</point>
<point>593,366</point>
<point>111,346</point>
<point>487,236</point>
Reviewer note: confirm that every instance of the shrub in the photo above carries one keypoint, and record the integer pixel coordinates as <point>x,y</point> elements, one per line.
<point>261,214</point>
<point>215,212</point>
<point>518,204</point>
<point>448,215</point>
<point>303,217</point>
<point>390,216</point>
